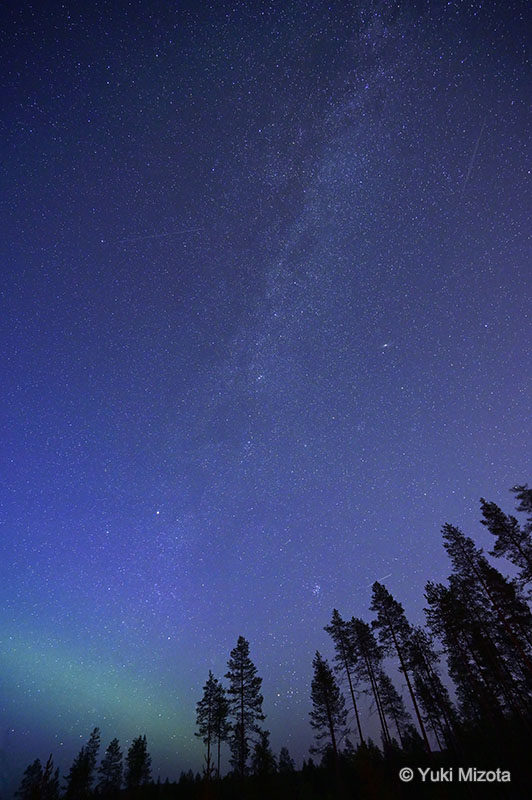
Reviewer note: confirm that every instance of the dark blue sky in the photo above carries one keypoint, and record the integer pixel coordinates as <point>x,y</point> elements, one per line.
<point>265,327</point>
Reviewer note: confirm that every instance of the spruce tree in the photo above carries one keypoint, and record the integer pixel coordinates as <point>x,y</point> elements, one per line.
<point>263,762</point>
<point>205,720</point>
<point>286,762</point>
<point>76,782</point>
<point>50,781</point>
<point>394,633</point>
<point>38,783</point>
<point>245,703</point>
<point>345,659</point>
<point>328,716</point>
<point>138,763</point>
<point>30,785</point>
<point>110,770</point>
<point>81,775</point>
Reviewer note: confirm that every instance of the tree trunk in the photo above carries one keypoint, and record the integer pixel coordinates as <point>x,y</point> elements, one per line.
<point>378,702</point>
<point>407,677</point>
<point>346,665</point>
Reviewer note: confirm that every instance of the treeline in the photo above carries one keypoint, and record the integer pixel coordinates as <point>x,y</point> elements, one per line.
<point>479,622</point>
<point>108,777</point>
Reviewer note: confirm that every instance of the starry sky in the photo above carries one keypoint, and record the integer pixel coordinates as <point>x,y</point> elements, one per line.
<point>265,325</point>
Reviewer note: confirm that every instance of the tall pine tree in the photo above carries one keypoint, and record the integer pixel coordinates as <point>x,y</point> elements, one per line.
<point>511,614</point>
<point>435,703</point>
<point>345,659</point>
<point>328,716</point>
<point>368,665</point>
<point>222,727</point>
<point>394,633</point>
<point>462,625</point>
<point>393,705</point>
<point>211,720</point>
<point>245,703</point>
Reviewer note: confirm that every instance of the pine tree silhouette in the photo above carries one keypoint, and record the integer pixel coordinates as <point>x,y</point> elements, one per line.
<point>394,633</point>
<point>263,762</point>
<point>245,702</point>
<point>511,540</point>
<point>345,659</point>
<point>286,762</point>
<point>211,721</point>
<point>81,775</point>
<point>110,770</point>
<point>328,716</point>
<point>138,763</point>
<point>368,666</point>
<point>30,785</point>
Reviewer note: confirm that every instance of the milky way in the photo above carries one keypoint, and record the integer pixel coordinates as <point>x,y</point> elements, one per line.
<point>265,326</point>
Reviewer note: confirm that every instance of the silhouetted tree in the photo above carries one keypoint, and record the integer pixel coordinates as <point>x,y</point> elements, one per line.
<point>394,633</point>
<point>286,762</point>
<point>345,659</point>
<point>368,665</point>
<point>393,705</point>
<point>222,728</point>
<point>448,620</point>
<point>138,763</point>
<point>511,540</point>
<point>263,761</point>
<point>81,775</point>
<point>503,615</point>
<point>110,770</point>
<point>30,785</point>
<point>186,778</point>
<point>245,702</point>
<point>328,716</point>
<point>524,495</point>
<point>205,719</point>
<point>50,781</point>
<point>437,709</point>
<point>38,783</point>
<point>468,629</point>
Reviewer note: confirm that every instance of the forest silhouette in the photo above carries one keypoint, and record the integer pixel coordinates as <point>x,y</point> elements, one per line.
<point>462,727</point>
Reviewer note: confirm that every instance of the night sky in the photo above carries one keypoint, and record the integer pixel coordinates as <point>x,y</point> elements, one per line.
<point>265,325</point>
